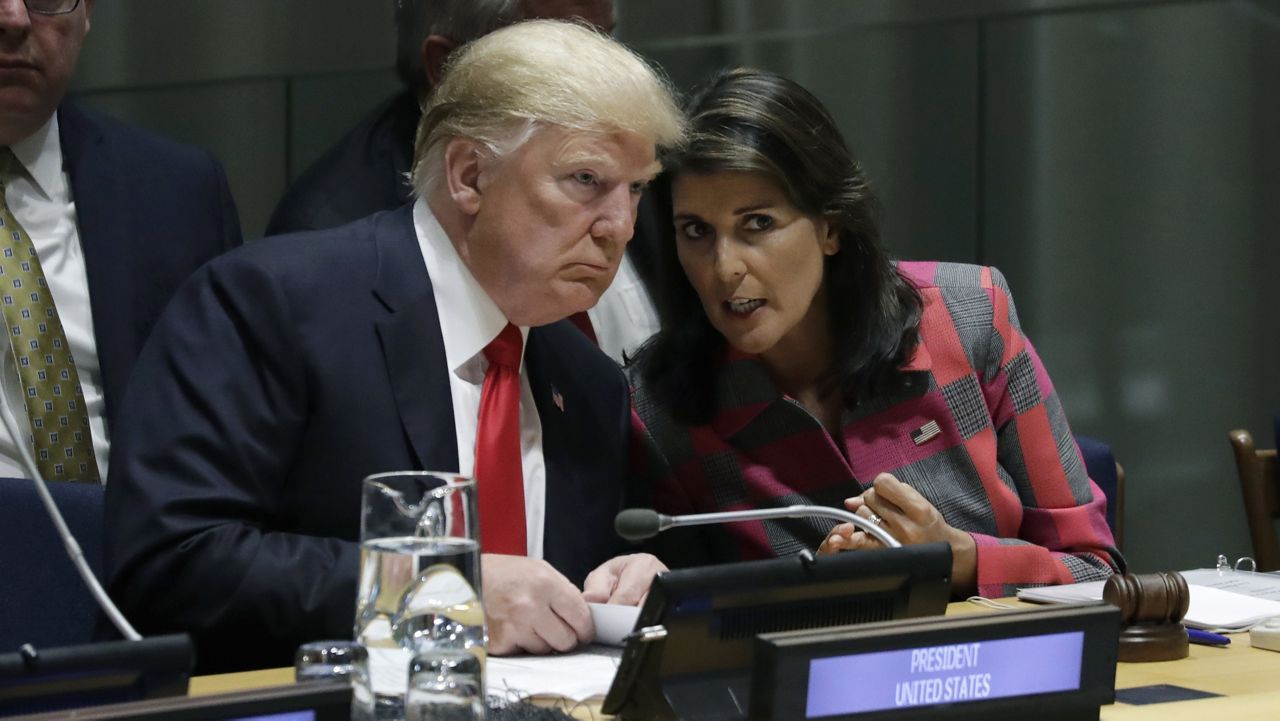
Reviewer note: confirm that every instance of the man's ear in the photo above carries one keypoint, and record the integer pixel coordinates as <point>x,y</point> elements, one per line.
<point>435,52</point>
<point>463,158</point>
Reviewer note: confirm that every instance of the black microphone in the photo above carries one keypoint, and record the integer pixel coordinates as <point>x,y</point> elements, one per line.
<point>638,524</point>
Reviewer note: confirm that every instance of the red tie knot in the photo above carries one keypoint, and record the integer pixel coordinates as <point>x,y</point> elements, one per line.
<point>505,349</point>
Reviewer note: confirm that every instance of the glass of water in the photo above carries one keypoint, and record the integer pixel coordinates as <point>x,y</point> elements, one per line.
<point>419,574</point>
<point>328,660</point>
<point>445,685</point>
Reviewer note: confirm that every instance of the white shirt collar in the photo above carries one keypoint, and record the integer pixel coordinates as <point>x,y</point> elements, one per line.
<point>469,319</point>
<point>41,154</point>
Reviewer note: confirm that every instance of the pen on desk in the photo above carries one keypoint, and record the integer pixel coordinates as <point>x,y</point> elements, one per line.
<point>1206,638</point>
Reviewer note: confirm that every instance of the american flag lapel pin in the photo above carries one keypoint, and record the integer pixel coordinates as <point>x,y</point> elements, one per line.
<point>926,433</point>
<point>557,399</point>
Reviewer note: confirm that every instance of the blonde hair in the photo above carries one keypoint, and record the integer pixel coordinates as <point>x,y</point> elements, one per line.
<point>503,86</point>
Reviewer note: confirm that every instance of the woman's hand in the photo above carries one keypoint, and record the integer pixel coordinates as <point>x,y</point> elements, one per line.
<point>911,519</point>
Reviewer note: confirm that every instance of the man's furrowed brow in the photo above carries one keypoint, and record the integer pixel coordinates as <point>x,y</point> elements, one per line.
<point>587,157</point>
<point>651,172</point>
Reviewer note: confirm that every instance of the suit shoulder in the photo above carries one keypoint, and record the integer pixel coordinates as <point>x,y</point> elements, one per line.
<point>144,146</point>
<point>576,351</point>
<point>953,276</point>
<point>307,257</point>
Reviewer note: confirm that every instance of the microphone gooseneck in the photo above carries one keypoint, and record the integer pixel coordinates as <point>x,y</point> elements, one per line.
<point>638,524</point>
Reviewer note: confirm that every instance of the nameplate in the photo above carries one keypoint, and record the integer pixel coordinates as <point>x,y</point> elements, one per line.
<point>1049,664</point>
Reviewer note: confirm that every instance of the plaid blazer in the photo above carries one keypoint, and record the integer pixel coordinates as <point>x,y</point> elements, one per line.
<point>975,427</point>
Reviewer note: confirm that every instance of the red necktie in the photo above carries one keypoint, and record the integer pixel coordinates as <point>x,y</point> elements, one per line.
<point>583,321</point>
<point>499,477</point>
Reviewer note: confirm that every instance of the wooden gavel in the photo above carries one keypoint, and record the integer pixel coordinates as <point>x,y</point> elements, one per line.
<point>1152,606</point>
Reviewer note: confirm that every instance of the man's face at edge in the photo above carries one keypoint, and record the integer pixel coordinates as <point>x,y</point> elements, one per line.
<point>38,54</point>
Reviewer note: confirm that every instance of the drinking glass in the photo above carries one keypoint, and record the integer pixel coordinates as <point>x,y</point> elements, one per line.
<point>445,685</point>
<point>419,574</point>
<point>324,660</point>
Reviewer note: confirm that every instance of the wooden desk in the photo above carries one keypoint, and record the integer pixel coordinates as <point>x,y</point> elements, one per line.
<point>1248,678</point>
<point>243,681</point>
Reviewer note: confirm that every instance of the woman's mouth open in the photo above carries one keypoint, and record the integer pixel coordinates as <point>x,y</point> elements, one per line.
<point>744,306</point>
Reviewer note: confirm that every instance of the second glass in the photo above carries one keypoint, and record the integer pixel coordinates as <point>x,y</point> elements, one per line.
<point>340,659</point>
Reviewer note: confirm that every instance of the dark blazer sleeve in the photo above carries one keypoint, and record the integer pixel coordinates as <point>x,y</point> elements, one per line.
<point>212,422</point>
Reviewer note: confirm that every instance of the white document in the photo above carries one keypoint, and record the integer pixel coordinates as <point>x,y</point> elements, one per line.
<point>389,670</point>
<point>1214,609</point>
<point>613,622</point>
<point>1069,593</point>
<point>1211,608</point>
<point>576,676</point>
<point>1258,585</point>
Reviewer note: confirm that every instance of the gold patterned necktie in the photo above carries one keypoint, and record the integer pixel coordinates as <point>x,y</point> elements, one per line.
<point>60,437</point>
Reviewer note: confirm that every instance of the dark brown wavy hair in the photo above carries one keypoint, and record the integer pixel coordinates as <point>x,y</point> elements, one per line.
<point>748,120</point>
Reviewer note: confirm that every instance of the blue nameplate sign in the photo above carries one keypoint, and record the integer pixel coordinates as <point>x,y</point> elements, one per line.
<point>1051,664</point>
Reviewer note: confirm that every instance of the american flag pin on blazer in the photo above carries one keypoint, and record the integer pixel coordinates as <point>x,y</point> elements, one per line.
<point>557,399</point>
<point>926,433</point>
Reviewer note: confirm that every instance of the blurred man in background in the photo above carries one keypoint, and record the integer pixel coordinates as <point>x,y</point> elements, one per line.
<point>101,223</point>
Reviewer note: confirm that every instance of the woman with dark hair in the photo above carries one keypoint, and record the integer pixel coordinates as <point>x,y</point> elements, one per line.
<point>799,364</point>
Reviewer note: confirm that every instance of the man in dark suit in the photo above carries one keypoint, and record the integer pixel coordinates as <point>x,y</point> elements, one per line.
<point>290,369</point>
<point>366,170</point>
<point>114,219</point>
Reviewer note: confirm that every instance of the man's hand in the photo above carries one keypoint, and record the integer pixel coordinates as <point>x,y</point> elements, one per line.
<point>530,607</point>
<point>623,580</point>
<point>911,519</point>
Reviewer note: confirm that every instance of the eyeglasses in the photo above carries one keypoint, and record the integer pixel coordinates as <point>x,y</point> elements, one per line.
<point>52,7</point>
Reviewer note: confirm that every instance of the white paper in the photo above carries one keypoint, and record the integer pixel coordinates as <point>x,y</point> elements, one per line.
<point>1210,608</point>
<point>389,670</point>
<point>613,622</point>
<point>1070,593</point>
<point>576,676</point>
<point>1258,585</point>
<point>1219,610</point>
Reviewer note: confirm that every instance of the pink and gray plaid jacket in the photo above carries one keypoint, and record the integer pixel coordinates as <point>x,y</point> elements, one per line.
<point>976,428</point>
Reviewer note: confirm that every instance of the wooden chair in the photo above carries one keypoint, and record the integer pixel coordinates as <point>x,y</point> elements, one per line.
<point>1260,487</point>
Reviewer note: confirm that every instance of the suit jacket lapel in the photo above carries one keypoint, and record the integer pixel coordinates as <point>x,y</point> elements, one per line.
<point>544,379</point>
<point>412,344</point>
<point>105,216</point>
<point>753,411</point>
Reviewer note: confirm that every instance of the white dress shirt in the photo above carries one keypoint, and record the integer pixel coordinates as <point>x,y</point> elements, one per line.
<point>40,198</point>
<point>624,317</point>
<point>469,320</point>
